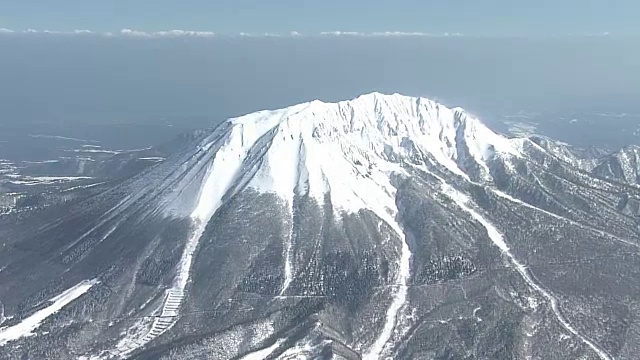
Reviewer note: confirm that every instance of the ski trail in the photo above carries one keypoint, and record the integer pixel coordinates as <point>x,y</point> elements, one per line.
<point>496,237</point>
<point>288,266</point>
<point>28,325</point>
<point>400,297</point>
<point>572,222</point>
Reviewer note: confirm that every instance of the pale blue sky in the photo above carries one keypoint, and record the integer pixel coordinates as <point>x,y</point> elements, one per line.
<point>472,17</point>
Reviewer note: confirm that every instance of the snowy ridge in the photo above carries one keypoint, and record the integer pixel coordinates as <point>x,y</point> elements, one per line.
<point>497,238</point>
<point>337,148</point>
<point>572,222</point>
<point>622,165</point>
<point>628,159</point>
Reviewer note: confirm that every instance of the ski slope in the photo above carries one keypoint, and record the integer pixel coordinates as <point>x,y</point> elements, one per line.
<point>27,326</point>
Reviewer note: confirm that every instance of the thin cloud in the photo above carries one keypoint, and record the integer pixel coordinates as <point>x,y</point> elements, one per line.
<point>341,33</point>
<point>206,34</point>
<point>178,33</point>
<point>50,32</point>
<point>400,33</point>
<point>74,32</point>
<point>244,34</point>
<point>386,34</point>
<point>600,34</point>
<point>168,33</point>
<point>122,33</point>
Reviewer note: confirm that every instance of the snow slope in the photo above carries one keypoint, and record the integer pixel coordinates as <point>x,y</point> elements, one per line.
<point>309,148</point>
<point>262,354</point>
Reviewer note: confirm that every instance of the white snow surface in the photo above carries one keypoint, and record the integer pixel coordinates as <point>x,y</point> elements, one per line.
<point>28,325</point>
<point>262,354</point>
<point>304,350</point>
<point>317,147</point>
<point>42,180</point>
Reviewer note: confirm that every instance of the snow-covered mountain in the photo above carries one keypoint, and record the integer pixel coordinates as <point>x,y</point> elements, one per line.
<point>385,226</point>
<point>623,165</point>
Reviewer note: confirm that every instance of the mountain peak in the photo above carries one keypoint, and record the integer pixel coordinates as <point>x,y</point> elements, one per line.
<point>391,115</point>
<point>319,148</point>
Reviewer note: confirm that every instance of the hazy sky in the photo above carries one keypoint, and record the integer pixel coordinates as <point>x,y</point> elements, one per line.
<point>91,78</point>
<point>473,17</point>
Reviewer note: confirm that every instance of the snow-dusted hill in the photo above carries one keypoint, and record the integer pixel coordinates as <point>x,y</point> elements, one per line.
<point>385,226</point>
